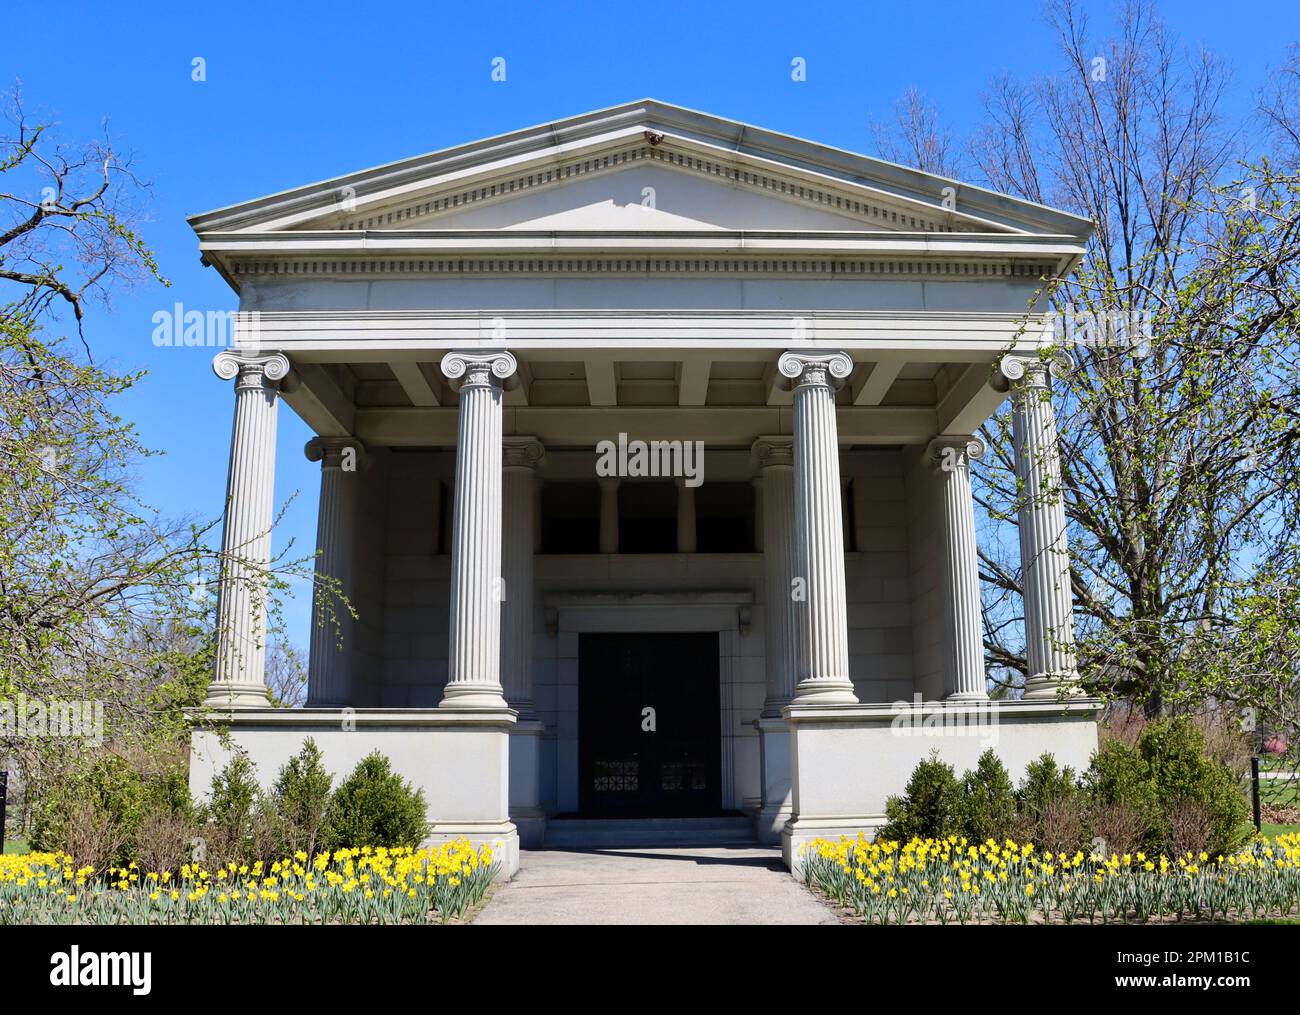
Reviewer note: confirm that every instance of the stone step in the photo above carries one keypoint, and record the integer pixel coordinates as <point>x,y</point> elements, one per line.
<point>722,831</point>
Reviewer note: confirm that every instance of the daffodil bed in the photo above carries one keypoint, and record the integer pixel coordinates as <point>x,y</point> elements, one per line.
<point>387,886</point>
<point>955,881</point>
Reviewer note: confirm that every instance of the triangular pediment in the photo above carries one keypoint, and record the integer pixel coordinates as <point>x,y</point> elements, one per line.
<point>646,166</point>
<point>641,190</point>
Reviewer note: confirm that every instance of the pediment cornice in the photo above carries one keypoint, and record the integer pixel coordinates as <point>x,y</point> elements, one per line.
<point>872,210</point>
<point>875,192</point>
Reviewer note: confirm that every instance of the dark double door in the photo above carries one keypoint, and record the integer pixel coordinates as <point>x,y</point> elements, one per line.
<point>649,725</point>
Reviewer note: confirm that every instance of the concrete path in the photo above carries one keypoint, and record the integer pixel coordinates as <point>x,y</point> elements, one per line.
<point>700,885</point>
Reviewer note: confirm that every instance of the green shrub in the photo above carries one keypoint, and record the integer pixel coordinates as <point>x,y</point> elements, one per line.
<point>1186,778</point>
<point>1045,783</point>
<point>232,807</point>
<point>300,798</point>
<point>96,815</point>
<point>1164,777</point>
<point>374,807</point>
<point>1050,807</point>
<point>1119,774</point>
<point>988,802</point>
<point>929,808</point>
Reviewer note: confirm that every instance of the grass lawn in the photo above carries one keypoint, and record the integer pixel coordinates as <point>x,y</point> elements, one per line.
<point>16,846</point>
<point>1275,791</point>
<point>1273,831</point>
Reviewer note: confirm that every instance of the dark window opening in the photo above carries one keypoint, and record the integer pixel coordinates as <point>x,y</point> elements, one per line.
<point>724,518</point>
<point>647,517</point>
<point>570,518</point>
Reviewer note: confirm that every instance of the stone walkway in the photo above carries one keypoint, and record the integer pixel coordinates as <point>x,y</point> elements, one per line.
<point>683,885</point>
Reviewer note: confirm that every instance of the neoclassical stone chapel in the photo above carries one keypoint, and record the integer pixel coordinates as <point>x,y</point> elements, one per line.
<point>546,650</point>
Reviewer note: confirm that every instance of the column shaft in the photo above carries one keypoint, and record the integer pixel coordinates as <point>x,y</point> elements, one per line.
<point>1044,552</point>
<point>522,455</point>
<point>239,678</point>
<point>775,457</point>
<point>329,666</point>
<point>474,643</point>
<point>819,528</point>
<point>965,631</point>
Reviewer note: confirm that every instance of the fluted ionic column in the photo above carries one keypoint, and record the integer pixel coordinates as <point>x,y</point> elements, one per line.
<point>819,528</point>
<point>474,643</point>
<point>774,457</point>
<point>1044,551</point>
<point>520,458</point>
<point>952,455</point>
<point>239,676</point>
<point>329,666</point>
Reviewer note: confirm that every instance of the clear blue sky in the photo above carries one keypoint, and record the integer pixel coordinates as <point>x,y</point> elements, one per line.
<point>297,95</point>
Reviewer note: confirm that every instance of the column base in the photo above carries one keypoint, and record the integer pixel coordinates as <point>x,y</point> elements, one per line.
<point>968,696</point>
<point>799,832</point>
<point>1051,686</point>
<point>326,703</point>
<point>476,696</point>
<point>825,691</point>
<point>228,694</point>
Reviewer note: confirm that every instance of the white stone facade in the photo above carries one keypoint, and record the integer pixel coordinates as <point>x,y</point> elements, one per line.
<point>465,328</point>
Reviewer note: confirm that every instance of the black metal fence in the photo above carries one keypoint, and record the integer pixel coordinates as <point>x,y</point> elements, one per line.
<point>1254,789</point>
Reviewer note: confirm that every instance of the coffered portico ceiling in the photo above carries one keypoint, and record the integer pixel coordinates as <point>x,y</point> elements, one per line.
<point>640,234</point>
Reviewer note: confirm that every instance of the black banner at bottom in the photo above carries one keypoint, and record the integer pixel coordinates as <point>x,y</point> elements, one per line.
<point>147,964</point>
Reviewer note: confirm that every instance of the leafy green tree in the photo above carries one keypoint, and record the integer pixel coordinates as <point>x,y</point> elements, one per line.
<point>104,599</point>
<point>1178,421</point>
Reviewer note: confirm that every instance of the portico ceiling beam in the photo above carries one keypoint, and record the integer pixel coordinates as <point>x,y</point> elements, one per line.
<point>602,383</point>
<point>693,381</point>
<point>323,406</point>
<point>969,402</point>
<point>413,382</point>
<point>872,382</point>
<point>519,394</point>
<point>778,393</point>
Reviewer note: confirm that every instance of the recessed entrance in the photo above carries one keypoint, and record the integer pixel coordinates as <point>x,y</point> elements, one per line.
<point>660,763</point>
